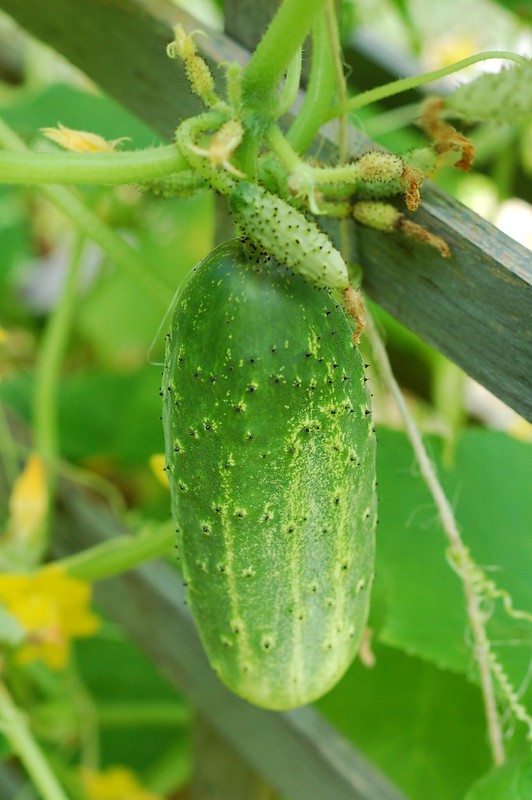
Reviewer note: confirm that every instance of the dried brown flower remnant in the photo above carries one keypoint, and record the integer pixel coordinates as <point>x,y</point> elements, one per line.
<point>442,133</point>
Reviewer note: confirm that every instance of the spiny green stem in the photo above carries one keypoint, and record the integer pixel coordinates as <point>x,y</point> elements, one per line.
<point>14,727</point>
<point>112,244</point>
<point>320,89</point>
<point>120,554</point>
<point>283,149</point>
<point>277,48</point>
<point>281,146</point>
<point>404,84</point>
<point>90,168</point>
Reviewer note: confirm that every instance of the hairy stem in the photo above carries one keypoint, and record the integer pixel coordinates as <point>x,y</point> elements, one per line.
<point>15,728</point>
<point>457,546</point>
<point>277,48</point>
<point>404,84</point>
<point>107,169</point>
<point>321,88</point>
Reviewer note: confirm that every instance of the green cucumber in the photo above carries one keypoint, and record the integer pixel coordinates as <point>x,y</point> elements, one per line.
<point>288,235</point>
<point>271,459</point>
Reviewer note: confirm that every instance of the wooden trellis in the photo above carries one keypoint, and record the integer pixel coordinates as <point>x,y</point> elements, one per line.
<point>474,308</point>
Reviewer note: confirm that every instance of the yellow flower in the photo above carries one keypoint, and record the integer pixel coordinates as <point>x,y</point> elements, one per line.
<point>80,141</point>
<point>116,783</point>
<point>157,465</point>
<point>28,504</point>
<point>52,608</point>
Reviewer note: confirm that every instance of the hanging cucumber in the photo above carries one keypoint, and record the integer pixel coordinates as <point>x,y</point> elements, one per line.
<point>271,459</point>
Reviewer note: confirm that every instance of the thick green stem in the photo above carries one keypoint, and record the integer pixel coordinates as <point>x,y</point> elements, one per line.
<point>187,136</point>
<point>320,89</point>
<point>112,244</point>
<point>277,48</point>
<point>143,714</point>
<point>120,554</point>
<point>90,168</point>
<point>404,84</point>
<point>14,727</point>
<point>291,85</point>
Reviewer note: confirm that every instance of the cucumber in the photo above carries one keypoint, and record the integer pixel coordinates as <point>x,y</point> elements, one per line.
<point>271,460</point>
<point>288,235</point>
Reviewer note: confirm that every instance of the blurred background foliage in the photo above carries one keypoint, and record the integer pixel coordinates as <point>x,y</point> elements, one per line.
<point>411,703</point>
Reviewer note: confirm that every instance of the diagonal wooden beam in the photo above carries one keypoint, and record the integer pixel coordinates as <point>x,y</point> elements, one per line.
<point>473,307</point>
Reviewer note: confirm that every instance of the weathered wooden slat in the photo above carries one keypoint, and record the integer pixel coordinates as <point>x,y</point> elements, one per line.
<point>473,307</point>
<point>297,753</point>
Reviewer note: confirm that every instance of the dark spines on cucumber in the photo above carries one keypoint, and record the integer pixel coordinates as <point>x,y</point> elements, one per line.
<point>271,462</point>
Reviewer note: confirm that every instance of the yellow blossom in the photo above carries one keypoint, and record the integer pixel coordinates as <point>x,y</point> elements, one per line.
<point>3,336</point>
<point>80,141</point>
<point>28,503</point>
<point>52,608</point>
<point>157,465</point>
<point>116,783</point>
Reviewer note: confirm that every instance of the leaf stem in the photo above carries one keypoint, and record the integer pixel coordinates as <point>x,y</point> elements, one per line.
<point>457,546</point>
<point>95,168</point>
<point>404,84</point>
<point>15,728</point>
<point>277,48</point>
<point>320,89</point>
<point>120,554</point>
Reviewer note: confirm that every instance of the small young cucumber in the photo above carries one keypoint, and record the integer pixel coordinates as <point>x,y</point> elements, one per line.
<point>271,459</point>
<point>288,236</point>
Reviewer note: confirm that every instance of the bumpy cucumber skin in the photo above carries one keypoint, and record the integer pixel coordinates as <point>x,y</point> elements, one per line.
<point>290,237</point>
<point>271,459</point>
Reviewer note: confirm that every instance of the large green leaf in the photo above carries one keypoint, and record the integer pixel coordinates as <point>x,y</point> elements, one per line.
<point>512,781</point>
<point>419,595</point>
<point>423,727</point>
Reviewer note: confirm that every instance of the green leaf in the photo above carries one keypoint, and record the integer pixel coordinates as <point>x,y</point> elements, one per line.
<point>512,781</point>
<point>423,727</point>
<point>418,596</point>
